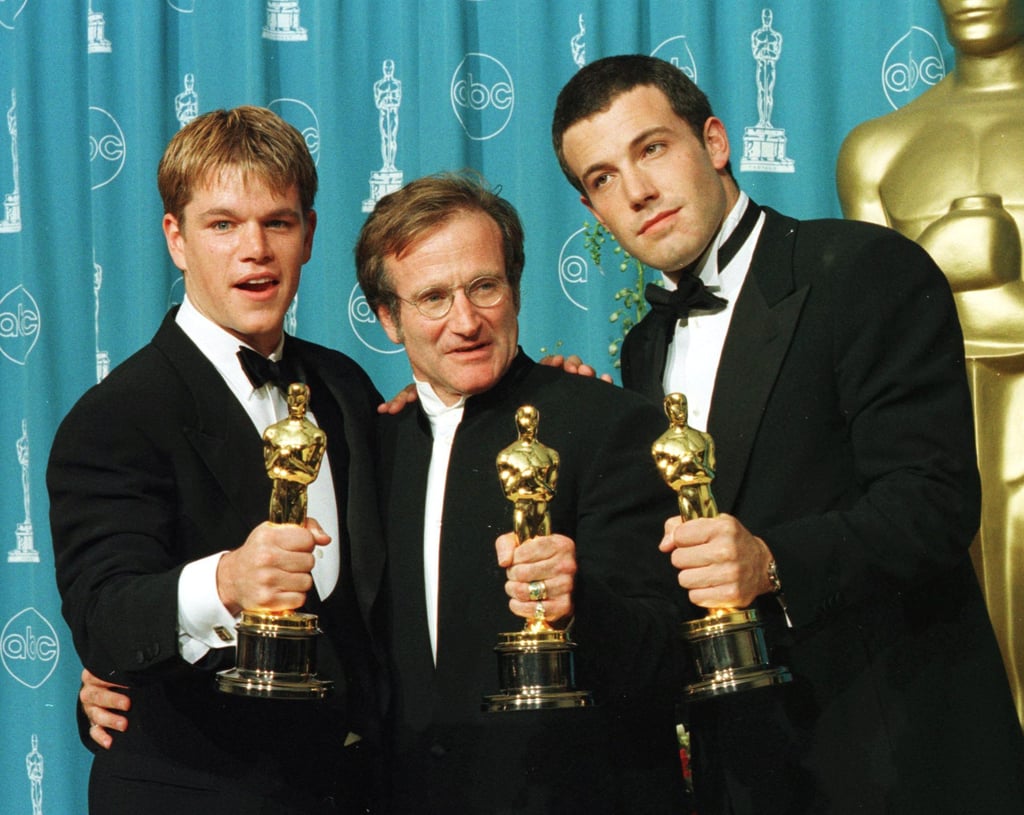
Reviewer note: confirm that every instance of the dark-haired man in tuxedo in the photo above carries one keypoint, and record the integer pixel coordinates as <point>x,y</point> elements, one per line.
<point>825,359</point>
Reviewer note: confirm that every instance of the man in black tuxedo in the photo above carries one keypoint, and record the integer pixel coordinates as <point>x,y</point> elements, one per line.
<point>440,263</point>
<point>159,505</point>
<point>826,361</point>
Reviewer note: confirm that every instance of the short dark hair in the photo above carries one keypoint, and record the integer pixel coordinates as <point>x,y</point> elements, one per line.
<point>596,86</point>
<point>417,209</point>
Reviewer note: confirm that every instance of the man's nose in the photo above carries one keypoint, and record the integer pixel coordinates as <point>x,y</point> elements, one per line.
<point>255,245</point>
<point>639,187</point>
<point>463,317</point>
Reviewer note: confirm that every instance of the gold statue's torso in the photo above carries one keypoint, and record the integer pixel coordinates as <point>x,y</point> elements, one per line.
<point>946,171</point>
<point>528,472</point>
<point>979,147</point>
<point>685,458</point>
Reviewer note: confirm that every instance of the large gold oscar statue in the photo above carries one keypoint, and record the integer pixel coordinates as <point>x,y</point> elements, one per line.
<point>276,653</point>
<point>728,645</point>
<point>536,669</point>
<point>946,170</point>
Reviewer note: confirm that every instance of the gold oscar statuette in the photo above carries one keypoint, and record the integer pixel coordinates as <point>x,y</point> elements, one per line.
<point>728,645</point>
<point>276,654</point>
<point>535,665</point>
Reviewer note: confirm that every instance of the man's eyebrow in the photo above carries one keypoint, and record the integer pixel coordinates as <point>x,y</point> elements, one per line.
<point>228,211</point>
<point>640,138</point>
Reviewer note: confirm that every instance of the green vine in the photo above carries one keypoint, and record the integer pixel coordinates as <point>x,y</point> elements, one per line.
<point>631,305</point>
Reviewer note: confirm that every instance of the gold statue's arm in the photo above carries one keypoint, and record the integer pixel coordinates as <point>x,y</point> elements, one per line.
<point>860,167</point>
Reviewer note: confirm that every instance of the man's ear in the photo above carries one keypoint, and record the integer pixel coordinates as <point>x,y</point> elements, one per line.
<point>390,325</point>
<point>716,142</point>
<point>586,202</point>
<point>310,225</point>
<point>175,240</point>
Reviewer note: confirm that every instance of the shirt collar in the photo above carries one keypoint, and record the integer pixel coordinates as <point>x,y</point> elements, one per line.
<point>437,411</point>
<point>218,345</point>
<point>707,268</point>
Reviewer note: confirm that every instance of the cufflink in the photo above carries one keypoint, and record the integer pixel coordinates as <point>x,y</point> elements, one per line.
<point>225,634</point>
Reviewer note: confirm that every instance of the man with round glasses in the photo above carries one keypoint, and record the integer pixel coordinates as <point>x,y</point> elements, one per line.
<point>440,263</point>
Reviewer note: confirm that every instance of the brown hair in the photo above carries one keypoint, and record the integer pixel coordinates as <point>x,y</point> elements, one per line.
<point>596,86</point>
<point>421,206</point>
<point>254,140</point>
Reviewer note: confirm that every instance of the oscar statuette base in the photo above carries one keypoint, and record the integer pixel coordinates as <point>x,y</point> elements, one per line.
<point>276,658</point>
<point>535,672</point>
<point>730,654</point>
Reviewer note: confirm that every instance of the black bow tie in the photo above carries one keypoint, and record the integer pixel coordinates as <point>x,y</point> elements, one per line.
<point>261,370</point>
<point>689,295</point>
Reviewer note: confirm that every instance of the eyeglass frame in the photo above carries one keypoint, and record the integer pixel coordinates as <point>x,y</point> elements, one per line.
<point>503,286</point>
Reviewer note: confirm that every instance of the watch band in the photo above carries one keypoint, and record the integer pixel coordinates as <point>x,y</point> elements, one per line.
<point>773,577</point>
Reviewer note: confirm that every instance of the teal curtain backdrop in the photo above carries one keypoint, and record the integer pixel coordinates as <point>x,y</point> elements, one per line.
<point>384,91</point>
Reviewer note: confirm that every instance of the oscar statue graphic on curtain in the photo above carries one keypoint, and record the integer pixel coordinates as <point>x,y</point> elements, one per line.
<point>12,201</point>
<point>764,146</point>
<point>387,96</point>
<point>34,764</point>
<point>283,22</point>
<point>24,550</point>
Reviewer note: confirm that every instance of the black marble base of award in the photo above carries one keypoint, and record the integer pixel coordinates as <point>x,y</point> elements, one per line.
<point>276,658</point>
<point>536,672</point>
<point>729,650</point>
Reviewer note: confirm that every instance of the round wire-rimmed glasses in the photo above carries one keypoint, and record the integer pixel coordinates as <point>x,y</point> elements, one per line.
<point>484,291</point>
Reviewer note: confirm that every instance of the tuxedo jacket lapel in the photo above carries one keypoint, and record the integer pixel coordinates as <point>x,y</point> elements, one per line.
<point>406,458</point>
<point>353,468</point>
<point>222,435</point>
<point>643,355</point>
<point>329,419</point>
<point>762,326</point>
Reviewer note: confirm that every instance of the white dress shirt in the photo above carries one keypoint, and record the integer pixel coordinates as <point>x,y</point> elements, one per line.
<point>444,421</point>
<point>203,621</point>
<point>696,347</point>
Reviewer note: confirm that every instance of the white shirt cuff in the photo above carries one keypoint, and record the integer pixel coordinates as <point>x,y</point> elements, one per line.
<point>203,622</point>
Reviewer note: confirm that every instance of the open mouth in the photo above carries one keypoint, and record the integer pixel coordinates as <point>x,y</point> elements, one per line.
<point>259,284</point>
